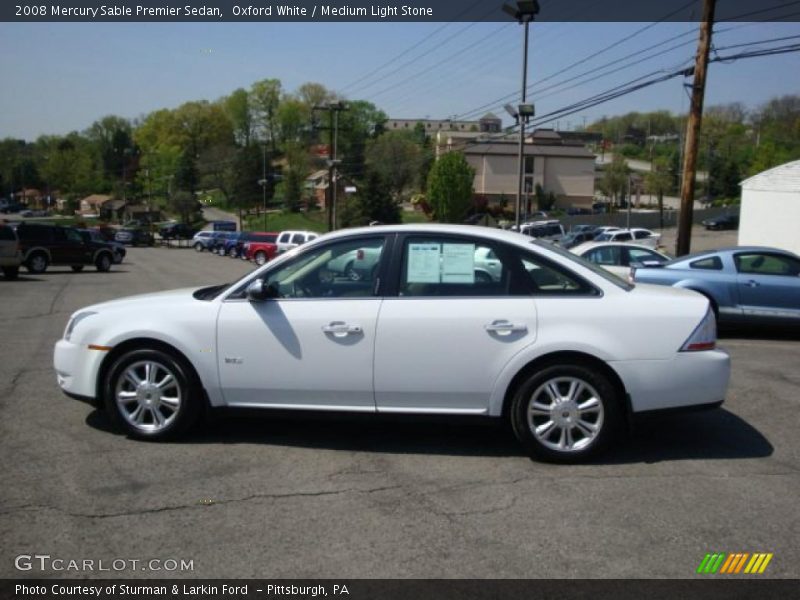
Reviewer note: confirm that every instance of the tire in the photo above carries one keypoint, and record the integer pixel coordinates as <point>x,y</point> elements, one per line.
<point>104,262</point>
<point>11,272</point>
<point>77,268</point>
<point>232,252</point>
<point>198,247</point>
<point>260,257</point>
<point>165,403</point>
<point>37,262</point>
<point>574,434</point>
<point>351,273</point>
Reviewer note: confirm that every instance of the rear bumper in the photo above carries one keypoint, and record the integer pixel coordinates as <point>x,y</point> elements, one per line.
<point>688,380</point>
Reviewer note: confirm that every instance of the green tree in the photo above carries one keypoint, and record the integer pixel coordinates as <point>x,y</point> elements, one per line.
<point>238,109</point>
<point>265,97</point>
<point>450,188</point>
<point>375,201</point>
<point>615,178</point>
<point>659,182</point>
<point>184,204</point>
<point>397,157</point>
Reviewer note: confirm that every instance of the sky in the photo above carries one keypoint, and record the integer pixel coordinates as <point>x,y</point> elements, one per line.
<point>61,77</point>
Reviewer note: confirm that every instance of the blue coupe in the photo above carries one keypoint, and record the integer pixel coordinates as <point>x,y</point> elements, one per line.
<point>746,284</point>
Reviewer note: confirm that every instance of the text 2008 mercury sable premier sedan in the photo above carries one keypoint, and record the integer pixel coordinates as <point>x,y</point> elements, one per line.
<point>558,346</point>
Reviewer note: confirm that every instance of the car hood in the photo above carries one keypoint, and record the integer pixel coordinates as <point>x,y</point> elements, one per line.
<point>146,301</point>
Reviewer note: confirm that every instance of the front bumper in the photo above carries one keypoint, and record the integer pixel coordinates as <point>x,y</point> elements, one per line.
<point>687,380</point>
<point>76,369</point>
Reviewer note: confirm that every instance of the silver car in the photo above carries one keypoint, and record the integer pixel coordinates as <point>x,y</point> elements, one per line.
<point>744,284</point>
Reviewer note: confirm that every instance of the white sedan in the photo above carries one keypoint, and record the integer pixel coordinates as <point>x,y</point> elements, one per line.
<point>561,348</point>
<point>645,237</point>
<point>618,257</point>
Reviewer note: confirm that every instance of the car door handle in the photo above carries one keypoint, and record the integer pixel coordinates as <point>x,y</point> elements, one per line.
<point>752,283</point>
<point>503,327</point>
<point>341,329</point>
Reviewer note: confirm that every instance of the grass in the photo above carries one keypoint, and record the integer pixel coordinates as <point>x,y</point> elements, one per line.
<point>314,221</point>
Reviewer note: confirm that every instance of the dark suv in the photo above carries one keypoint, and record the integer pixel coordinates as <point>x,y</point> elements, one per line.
<point>177,231</point>
<point>45,245</point>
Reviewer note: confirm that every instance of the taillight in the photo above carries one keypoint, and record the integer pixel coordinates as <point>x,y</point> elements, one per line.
<point>704,337</point>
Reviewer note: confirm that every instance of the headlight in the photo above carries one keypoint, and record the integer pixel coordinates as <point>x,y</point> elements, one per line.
<point>73,322</point>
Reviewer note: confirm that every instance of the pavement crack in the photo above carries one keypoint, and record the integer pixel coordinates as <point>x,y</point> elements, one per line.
<point>203,503</point>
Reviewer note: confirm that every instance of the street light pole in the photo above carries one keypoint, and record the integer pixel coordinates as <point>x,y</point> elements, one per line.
<point>264,181</point>
<point>524,13</point>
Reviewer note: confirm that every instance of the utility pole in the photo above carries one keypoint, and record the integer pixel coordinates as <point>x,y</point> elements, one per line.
<point>693,130</point>
<point>333,108</point>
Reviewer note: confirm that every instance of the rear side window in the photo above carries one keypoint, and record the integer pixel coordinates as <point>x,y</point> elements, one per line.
<point>711,263</point>
<point>434,266</point>
<point>641,234</point>
<point>298,238</point>
<point>605,255</point>
<point>7,234</point>
<point>34,234</point>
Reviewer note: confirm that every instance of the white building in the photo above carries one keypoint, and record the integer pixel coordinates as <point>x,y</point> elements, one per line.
<point>770,213</point>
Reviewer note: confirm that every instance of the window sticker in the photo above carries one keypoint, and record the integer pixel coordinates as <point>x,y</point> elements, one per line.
<point>423,263</point>
<point>458,263</point>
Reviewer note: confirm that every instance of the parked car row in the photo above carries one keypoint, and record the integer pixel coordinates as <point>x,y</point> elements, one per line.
<point>587,233</point>
<point>258,246</point>
<point>743,284</point>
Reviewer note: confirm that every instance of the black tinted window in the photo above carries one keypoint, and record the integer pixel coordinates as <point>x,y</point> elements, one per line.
<point>7,234</point>
<point>712,263</point>
<point>32,233</point>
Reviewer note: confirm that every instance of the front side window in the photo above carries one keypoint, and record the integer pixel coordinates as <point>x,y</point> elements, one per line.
<point>74,236</point>
<point>345,269</point>
<point>298,238</point>
<point>767,264</point>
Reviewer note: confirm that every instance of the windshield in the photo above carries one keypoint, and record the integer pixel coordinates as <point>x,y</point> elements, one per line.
<point>597,270</point>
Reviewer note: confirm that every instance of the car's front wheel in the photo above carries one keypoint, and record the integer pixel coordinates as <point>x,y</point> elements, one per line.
<point>37,262</point>
<point>151,395</point>
<point>103,262</point>
<point>566,412</point>
<point>261,257</point>
<point>198,247</point>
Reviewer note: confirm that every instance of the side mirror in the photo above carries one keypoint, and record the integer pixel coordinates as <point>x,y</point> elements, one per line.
<point>258,292</point>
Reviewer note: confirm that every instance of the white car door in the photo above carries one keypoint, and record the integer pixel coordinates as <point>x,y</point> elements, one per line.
<point>309,347</point>
<point>445,337</point>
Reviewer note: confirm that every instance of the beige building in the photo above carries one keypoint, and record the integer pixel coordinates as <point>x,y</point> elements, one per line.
<point>565,169</point>
<point>488,123</point>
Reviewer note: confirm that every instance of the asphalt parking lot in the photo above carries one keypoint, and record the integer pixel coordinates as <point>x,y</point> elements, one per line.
<point>362,497</point>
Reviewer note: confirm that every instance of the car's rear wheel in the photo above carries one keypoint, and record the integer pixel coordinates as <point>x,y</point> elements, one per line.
<point>37,262</point>
<point>103,262</point>
<point>566,412</point>
<point>261,257</point>
<point>151,394</point>
<point>232,252</point>
<point>198,247</point>
<point>11,272</point>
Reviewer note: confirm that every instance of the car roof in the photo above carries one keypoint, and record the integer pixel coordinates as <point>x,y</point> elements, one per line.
<point>589,245</point>
<point>731,249</point>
